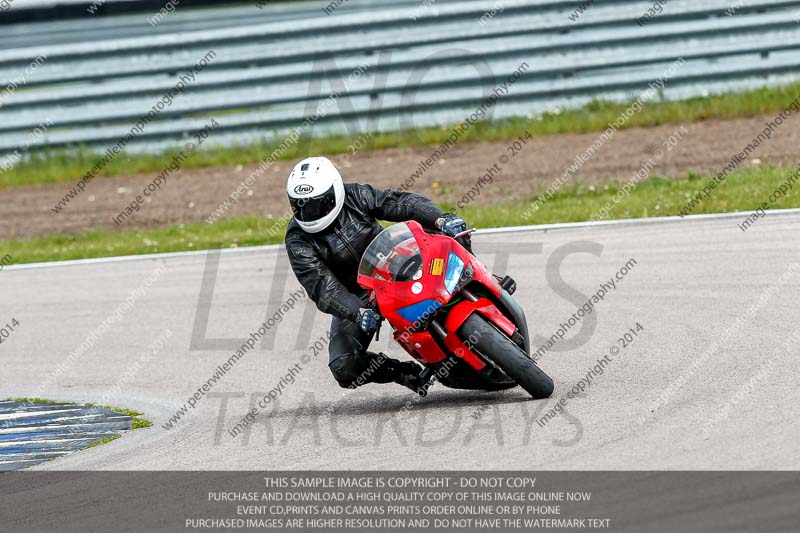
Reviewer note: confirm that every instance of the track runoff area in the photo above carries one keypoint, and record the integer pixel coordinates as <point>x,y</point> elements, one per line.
<point>708,369</point>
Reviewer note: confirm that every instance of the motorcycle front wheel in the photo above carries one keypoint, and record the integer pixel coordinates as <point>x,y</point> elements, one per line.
<point>495,346</point>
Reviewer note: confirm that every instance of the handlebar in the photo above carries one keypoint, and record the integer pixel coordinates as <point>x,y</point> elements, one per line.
<point>465,233</point>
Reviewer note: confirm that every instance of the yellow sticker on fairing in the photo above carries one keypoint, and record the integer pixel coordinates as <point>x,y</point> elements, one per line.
<point>437,267</point>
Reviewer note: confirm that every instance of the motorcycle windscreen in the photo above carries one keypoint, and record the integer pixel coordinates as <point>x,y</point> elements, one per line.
<point>394,255</point>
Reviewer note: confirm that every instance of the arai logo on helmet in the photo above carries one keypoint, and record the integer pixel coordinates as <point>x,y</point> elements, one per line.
<point>303,188</point>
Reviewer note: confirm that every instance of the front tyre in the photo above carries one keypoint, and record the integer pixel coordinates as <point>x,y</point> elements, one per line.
<point>496,347</point>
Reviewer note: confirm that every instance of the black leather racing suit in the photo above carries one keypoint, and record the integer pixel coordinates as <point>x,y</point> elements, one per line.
<point>326,264</point>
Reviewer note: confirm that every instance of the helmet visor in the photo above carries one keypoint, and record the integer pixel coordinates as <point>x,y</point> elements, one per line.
<point>314,207</point>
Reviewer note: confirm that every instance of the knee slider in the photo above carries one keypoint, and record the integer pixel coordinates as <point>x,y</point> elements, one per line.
<point>344,370</point>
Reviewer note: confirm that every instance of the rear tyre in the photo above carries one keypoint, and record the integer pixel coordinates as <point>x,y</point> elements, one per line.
<point>495,346</point>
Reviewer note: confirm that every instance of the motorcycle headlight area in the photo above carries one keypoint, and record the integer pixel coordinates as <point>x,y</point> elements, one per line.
<point>455,266</point>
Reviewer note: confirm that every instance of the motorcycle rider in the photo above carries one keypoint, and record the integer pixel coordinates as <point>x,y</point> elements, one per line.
<point>333,224</point>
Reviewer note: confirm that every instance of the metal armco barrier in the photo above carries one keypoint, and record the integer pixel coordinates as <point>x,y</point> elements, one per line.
<point>389,65</point>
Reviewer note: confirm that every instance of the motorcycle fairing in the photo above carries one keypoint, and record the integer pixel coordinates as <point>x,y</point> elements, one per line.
<point>408,304</point>
<point>460,313</point>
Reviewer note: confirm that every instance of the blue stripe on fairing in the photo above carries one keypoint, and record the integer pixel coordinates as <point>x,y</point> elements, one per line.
<point>414,312</point>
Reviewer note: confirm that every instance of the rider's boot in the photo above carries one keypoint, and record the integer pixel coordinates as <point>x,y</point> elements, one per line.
<point>406,373</point>
<point>413,377</point>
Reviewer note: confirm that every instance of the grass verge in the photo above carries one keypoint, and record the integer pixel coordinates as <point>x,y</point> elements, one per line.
<point>70,165</point>
<point>102,441</point>
<point>744,190</point>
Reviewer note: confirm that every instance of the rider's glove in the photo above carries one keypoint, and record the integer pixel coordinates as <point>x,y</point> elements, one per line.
<point>451,224</point>
<point>368,320</point>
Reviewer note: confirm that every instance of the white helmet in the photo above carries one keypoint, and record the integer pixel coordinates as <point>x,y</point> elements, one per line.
<point>316,193</point>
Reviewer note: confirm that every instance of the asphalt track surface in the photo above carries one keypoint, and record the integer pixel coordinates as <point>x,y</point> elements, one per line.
<point>697,283</point>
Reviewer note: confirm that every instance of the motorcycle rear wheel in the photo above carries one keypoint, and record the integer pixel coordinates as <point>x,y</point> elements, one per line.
<point>495,346</point>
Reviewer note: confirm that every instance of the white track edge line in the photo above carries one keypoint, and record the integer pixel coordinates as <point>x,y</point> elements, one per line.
<point>487,231</point>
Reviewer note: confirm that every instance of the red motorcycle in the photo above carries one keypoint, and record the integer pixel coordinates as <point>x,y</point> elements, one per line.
<point>449,313</point>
